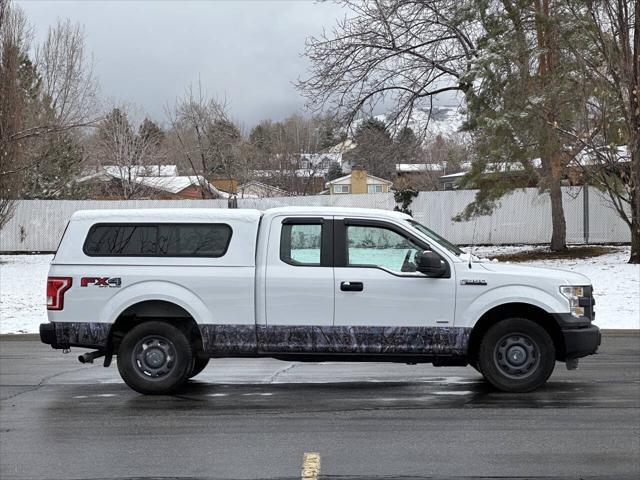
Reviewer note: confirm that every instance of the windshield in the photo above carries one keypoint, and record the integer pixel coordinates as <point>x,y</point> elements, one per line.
<point>436,238</point>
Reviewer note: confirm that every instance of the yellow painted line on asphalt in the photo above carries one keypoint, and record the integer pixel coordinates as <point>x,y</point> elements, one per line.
<point>311,466</point>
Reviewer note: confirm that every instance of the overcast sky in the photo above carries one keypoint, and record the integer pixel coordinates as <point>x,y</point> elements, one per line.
<point>147,52</point>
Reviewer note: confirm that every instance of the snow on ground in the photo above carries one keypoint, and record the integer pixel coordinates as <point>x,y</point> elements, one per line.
<point>23,283</point>
<point>616,286</point>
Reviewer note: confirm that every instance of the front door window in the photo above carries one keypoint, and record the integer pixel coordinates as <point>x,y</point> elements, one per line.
<point>380,247</point>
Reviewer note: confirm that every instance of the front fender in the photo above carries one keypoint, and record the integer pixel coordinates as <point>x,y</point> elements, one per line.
<point>472,312</point>
<point>155,290</point>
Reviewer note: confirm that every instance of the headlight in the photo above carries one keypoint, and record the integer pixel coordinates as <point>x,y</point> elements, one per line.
<point>573,294</point>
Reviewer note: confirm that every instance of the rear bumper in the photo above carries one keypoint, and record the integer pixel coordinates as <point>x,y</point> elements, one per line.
<point>580,342</point>
<point>75,334</point>
<point>48,334</point>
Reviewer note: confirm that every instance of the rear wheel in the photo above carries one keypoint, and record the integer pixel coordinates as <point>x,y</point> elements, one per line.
<point>155,358</point>
<point>516,355</point>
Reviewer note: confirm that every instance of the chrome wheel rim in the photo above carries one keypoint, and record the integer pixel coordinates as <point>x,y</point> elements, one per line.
<point>517,356</point>
<point>154,357</point>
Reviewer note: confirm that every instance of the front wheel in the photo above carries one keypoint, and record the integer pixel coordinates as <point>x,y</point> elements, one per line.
<point>516,355</point>
<point>155,358</point>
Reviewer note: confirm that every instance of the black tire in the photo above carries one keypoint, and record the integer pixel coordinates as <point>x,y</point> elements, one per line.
<point>155,358</point>
<point>199,364</point>
<point>516,355</point>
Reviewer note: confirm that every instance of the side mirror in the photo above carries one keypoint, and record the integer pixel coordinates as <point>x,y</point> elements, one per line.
<point>430,264</point>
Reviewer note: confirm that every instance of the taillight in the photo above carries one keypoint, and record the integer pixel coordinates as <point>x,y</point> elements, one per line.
<point>56,286</point>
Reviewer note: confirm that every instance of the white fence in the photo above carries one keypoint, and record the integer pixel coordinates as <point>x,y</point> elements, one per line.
<point>523,217</point>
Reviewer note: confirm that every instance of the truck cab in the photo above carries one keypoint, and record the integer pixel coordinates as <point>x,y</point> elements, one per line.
<point>165,290</point>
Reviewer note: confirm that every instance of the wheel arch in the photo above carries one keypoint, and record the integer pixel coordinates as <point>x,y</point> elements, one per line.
<point>161,310</point>
<point>159,291</point>
<point>511,310</point>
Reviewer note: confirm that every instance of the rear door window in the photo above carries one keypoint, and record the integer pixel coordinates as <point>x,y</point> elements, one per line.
<point>307,242</point>
<point>300,244</point>
<point>158,240</point>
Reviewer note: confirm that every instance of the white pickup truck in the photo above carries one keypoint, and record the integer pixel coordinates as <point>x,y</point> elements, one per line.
<point>167,289</point>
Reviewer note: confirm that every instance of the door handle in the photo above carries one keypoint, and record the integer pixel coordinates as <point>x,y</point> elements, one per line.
<point>351,286</point>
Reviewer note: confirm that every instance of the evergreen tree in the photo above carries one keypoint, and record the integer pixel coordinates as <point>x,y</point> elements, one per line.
<point>261,141</point>
<point>528,89</point>
<point>224,139</point>
<point>58,163</point>
<point>150,132</point>
<point>408,147</point>
<point>375,149</point>
<point>330,132</point>
<point>115,121</point>
<point>335,171</point>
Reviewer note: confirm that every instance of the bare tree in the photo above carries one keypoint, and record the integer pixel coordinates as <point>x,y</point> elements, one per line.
<point>14,45</point>
<point>401,53</point>
<point>40,99</point>
<point>611,113</point>
<point>66,73</point>
<point>7,207</point>
<point>288,152</point>
<point>127,152</point>
<point>439,156</point>
<point>206,137</point>
<point>66,87</point>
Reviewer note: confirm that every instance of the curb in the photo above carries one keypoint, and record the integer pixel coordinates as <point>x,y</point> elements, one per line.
<point>19,337</point>
<point>621,332</point>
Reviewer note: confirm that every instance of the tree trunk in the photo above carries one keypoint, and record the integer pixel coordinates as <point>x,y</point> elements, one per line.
<point>635,207</point>
<point>634,144</point>
<point>550,144</point>
<point>635,239</point>
<point>559,234</point>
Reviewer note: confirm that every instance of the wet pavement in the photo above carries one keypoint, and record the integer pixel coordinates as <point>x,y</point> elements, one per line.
<point>256,418</point>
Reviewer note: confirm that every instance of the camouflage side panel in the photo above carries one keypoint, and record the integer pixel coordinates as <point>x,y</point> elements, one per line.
<point>231,339</point>
<point>363,339</point>
<point>248,340</point>
<point>82,334</point>
<point>241,339</point>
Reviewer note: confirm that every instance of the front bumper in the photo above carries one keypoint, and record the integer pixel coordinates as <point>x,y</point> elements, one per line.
<point>580,342</point>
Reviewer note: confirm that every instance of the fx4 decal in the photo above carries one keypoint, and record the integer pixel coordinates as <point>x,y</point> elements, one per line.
<point>101,282</point>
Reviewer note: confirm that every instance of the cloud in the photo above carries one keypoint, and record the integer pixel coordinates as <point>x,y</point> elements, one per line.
<point>146,53</point>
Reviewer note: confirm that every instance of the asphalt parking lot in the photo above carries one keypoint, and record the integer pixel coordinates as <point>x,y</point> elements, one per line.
<point>256,418</point>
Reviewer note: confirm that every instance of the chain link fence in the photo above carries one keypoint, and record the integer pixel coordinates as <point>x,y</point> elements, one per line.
<point>523,217</point>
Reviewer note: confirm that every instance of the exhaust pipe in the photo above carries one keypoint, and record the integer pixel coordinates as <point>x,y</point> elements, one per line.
<point>89,357</point>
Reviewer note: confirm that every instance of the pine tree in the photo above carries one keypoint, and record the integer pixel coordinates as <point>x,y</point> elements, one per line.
<point>59,161</point>
<point>150,131</point>
<point>335,171</point>
<point>260,138</point>
<point>528,88</point>
<point>408,147</point>
<point>375,148</point>
<point>224,139</point>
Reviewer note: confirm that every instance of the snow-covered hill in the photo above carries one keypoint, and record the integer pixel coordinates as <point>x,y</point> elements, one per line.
<point>442,120</point>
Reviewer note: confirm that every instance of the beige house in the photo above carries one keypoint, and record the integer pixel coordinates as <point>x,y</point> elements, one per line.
<point>255,189</point>
<point>358,181</point>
